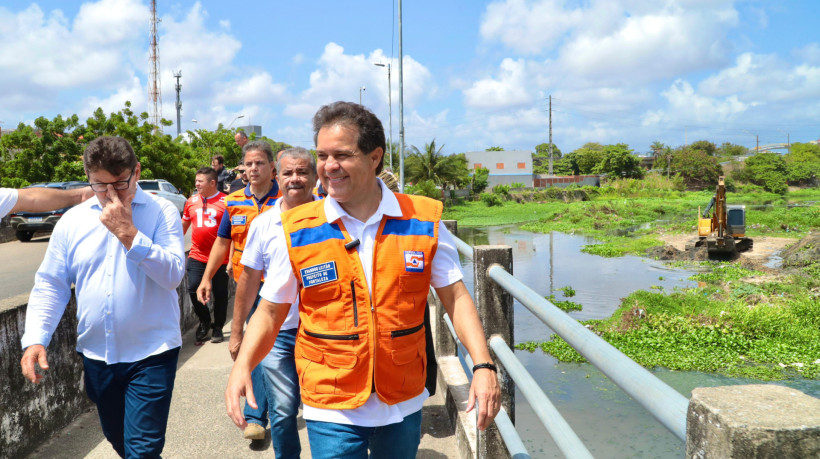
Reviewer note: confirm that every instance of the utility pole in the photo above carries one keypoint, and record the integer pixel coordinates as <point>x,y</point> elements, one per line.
<point>389,110</point>
<point>154,86</point>
<point>757,143</point>
<point>178,75</point>
<point>401,110</point>
<point>551,174</point>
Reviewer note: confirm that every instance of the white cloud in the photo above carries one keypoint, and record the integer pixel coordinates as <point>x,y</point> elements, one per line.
<point>528,27</point>
<point>257,88</point>
<point>511,87</point>
<point>685,103</point>
<point>339,77</point>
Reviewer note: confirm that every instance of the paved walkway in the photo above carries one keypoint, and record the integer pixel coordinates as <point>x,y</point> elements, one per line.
<point>198,426</point>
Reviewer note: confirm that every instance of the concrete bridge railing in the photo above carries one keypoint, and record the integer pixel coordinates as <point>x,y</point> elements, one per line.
<point>30,414</point>
<point>761,421</point>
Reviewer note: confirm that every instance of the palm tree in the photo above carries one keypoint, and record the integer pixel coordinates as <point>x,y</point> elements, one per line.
<point>431,164</point>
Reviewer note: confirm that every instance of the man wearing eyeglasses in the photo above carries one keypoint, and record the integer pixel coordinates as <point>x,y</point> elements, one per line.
<point>124,252</point>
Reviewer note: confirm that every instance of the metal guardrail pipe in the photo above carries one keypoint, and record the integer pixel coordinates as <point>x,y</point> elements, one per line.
<point>662,401</point>
<point>512,440</point>
<point>558,428</point>
<point>464,248</point>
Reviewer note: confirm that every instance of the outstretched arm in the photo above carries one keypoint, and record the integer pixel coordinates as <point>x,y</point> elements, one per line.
<point>462,311</point>
<point>257,343</point>
<point>46,199</point>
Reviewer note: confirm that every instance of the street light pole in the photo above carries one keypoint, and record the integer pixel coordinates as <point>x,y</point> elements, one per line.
<point>234,120</point>
<point>361,88</point>
<point>401,109</point>
<point>390,110</point>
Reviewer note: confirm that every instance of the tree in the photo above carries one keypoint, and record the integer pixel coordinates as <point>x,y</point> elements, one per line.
<point>479,180</point>
<point>494,149</point>
<point>431,164</point>
<point>543,149</point>
<point>705,146</point>
<point>698,169</point>
<point>728,150</point>
<point>618,161</point>
<point>585,159</point>
<point>769,171</point>
<point>541,158</point>
<point>803,162</point>
<point>49,151</point>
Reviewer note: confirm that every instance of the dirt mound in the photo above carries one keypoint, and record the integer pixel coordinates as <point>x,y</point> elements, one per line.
<point>670,253</point>
<point>804,252</point>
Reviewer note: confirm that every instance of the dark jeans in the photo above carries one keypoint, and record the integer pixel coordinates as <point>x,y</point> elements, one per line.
<point>219,288</point>
<point>133,400</point>
<point>329,440</point>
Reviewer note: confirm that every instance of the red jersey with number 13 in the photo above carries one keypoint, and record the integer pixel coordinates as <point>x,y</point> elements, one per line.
<point>204,215</point>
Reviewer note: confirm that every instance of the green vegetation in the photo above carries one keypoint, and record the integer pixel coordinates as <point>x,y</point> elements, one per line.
<point>767,331</point>
<point>564,305</point>
<point>627,215</point>
<point>51,150</point>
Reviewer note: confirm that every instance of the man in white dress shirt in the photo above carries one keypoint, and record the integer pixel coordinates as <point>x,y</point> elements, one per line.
<point>124,252</point>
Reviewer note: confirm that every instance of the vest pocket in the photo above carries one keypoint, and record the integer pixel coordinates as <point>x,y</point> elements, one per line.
<point>327,365</point>
<point>413,297</point>
<point>401,363</point>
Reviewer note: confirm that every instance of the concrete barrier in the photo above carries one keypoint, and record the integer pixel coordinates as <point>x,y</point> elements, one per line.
<point>30,414</point>
<point>757,420</point>
<point>6,232</point>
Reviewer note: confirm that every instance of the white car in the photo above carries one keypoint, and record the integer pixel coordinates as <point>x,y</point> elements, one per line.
<point>164,189</point>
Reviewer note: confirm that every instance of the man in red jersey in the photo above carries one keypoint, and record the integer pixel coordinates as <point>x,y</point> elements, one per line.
<point>205,209</point>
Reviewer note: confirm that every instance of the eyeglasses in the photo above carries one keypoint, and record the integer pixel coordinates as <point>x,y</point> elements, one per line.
<point>118,185</point>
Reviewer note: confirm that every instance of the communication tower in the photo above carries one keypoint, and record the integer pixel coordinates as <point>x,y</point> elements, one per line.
<point>154,86</point>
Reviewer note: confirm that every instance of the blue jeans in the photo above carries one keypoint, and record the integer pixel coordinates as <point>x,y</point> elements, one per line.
<point>396,441</point>
<point>283,395</point>
<point>260,390</point>
<point>133,400</point>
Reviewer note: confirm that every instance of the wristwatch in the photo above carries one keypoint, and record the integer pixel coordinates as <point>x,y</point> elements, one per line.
<point>487,365</point>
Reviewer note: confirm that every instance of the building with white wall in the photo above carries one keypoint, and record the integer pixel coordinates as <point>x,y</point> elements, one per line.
<point>506,167</point>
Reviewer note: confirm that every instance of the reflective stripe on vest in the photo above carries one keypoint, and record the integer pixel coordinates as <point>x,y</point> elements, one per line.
<point>241,211</point>
<point>348,341</point>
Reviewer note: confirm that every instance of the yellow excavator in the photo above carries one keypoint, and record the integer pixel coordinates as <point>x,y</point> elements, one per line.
<point>724,231</point>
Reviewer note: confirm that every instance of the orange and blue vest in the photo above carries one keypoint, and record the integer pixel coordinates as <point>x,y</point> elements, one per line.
<point>351,343</point>
<point>242,208</point>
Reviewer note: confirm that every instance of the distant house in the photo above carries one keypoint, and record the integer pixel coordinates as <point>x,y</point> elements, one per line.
<point>506,167</point>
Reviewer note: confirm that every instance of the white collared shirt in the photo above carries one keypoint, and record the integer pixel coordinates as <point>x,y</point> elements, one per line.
<point>281,287</point>
<point>8,198</point>
<point>127,304</point>
<point>256,255</point>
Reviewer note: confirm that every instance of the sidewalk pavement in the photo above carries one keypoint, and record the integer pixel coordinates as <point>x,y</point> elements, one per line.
<point>198,425</point>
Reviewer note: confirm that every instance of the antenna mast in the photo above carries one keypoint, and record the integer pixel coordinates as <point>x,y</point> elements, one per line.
<point>154,87</point>
<point>178,75</point>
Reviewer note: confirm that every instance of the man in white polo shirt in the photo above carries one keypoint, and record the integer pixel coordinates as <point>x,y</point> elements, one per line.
<point>296,175</point>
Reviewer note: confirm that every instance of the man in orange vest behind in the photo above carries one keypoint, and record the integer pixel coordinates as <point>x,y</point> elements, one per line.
<point>361,262</point>
<point>243,206</point>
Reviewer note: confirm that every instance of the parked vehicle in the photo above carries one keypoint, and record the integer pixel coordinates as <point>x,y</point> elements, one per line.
<point>25,224</point>
<point>164,189</point>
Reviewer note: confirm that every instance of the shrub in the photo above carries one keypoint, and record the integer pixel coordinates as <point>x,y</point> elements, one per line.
<point>502,190</point>
<point>425,188</point>
<point>491,199</point>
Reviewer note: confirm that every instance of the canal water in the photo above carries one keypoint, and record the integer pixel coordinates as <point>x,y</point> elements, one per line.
<point>608,421</point>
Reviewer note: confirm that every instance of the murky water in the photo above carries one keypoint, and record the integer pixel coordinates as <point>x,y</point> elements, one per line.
<point>607,420</point>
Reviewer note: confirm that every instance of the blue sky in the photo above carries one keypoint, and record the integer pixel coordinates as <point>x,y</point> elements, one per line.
<point>476,73</point>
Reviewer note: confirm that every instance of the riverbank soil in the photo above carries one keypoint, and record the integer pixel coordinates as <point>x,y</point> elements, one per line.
<point>763,249</point>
